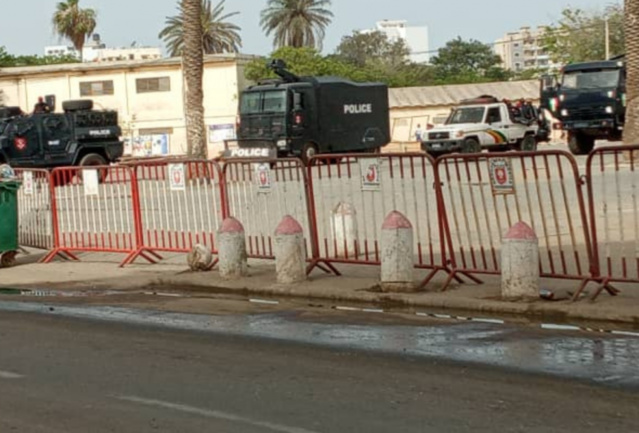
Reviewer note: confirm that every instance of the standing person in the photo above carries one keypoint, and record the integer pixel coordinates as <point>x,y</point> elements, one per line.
<point>41,106</point>
<point>418,133</point>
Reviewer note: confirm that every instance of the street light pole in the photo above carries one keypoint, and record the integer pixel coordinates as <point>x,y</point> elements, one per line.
<point>607,36</point>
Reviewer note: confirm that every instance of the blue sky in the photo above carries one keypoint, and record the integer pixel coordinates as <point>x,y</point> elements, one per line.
<point>26,24</point>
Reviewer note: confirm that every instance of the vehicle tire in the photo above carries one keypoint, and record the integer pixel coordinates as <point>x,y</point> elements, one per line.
<point>580,144</point>
<point>77,105</point>
<point>94,160</point>
<point>528,144</point>
<point>308,152</point>
<point>471,145</point>
<point>8,259</point>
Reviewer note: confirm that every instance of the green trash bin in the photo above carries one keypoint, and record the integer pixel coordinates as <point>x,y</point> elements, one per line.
<point>8,222</point>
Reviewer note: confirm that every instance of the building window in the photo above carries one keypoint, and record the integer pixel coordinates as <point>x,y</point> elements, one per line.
<point>96,88</point>
<point>148,85</point>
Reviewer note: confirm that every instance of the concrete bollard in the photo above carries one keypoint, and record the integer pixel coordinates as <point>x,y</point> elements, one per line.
<point>344,223</point>
<point>232,250</point>
<point>290,252</point>
<point>520,263</point>
<point>397,254</point>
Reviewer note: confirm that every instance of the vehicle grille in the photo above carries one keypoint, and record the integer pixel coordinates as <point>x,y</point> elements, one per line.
<point>439,136</point>
<point>587,113</point>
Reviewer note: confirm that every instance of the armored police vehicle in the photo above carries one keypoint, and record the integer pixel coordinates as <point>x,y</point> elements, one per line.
<point>305,116</point>
<point>80,136</point>
<point>589,100</point>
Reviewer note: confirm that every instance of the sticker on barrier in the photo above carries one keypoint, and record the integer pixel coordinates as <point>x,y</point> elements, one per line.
<point>180,206</point>
<point>482,196</point>
<point>353,194</point>
<point>260,194</point>
<point>93,211</point>
<point>35,227</point>
<point>613,199</point>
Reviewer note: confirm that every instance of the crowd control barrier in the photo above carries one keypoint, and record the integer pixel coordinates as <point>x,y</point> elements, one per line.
<point>35,227</point>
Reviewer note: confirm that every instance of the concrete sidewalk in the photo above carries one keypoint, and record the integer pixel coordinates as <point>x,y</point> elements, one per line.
<point>98,273</point>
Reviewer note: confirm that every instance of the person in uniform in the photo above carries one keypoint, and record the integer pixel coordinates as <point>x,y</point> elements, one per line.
<point>41,107</point>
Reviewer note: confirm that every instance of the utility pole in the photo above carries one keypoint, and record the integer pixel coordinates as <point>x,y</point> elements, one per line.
<point>607,36</point>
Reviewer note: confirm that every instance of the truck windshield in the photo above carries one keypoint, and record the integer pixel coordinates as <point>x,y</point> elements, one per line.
<point>467,115</point>
<point>597,79</point>
<point>270,101</point>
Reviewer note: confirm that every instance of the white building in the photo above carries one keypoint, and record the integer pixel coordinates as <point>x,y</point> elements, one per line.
<point>415,37</point>
<point>96,51</point>
<point>524,50</point>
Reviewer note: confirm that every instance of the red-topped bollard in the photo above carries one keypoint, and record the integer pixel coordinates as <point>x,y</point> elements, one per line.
<point>290,252</point>
<point>520,263</point>
<point>232,249</point>
<point>397,254</point>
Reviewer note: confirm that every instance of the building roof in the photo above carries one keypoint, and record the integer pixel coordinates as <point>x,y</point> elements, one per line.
<point>117,65</point>
<point>421,97</point>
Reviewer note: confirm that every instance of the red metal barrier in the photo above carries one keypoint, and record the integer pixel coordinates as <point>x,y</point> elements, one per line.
<point>179,205</point>
<point>260,193</point>
<point>34,209</point>
<point>352,194</point>
<point>93,211</point>
<point>613,195</point>
<point>482,195</point>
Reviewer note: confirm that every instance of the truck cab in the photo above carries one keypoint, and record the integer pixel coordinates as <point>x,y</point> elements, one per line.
<point>589,99</point>
<point>306,116</point>
<point>484,123</point>
<point>78,136</point>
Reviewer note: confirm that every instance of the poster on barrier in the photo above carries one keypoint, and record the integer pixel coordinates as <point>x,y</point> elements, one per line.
<point>27,183</point>
<point>371,177</point>
<point>263,178</point>
<point>176,177</point>
<point>90,181</point>
<point>501,176</point>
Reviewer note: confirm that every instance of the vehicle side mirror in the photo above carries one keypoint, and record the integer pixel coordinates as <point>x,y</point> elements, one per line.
<point>297,101</point>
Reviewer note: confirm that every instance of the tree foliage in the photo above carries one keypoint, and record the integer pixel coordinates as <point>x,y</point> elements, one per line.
<point>467,62</point>
<point>296,23</point>
<point>7,60</point>
<point>74,23</point>
<point>219,35</point>
<point>363,49</point>
<point>579,36</point>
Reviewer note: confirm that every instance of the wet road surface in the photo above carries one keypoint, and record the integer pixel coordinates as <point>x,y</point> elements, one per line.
<point>290,371</point>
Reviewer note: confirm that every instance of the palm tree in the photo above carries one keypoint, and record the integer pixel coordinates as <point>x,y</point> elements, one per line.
<point>631,129</point>
<point>296,23</point>
<point>219,36</point>
<point>193,70</point>
<point>73,23</point>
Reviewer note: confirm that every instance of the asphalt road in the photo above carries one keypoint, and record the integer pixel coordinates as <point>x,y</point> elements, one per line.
<point>70,375</point>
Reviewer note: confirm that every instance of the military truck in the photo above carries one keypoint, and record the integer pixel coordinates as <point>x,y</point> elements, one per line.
<point>305,116</point>
<point>80,136</point>
<point>589,99</point>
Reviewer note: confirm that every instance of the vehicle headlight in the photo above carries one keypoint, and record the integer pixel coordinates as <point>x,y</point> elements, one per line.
<point>459,134</point>
<point>281,143</point>
<point>610,110</point>
<point>564,112</point>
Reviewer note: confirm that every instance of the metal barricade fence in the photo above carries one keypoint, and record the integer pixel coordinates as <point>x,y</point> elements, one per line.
<point>93,211</point>
<point>179,206</point>
<point>351,195</point>
<point>483,195</point>
<point>260,193</point>
<point>613,196</point>
<point>35,228</point>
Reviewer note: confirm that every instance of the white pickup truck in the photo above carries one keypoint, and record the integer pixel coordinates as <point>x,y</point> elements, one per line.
<point>485,123</point>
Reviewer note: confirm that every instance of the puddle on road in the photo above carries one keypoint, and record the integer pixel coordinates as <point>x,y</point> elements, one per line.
<point>603,358</point>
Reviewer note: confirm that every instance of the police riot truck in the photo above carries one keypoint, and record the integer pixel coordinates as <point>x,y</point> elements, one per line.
<point>589,99</point>
<point>306,116</point>
<point>80,136</point>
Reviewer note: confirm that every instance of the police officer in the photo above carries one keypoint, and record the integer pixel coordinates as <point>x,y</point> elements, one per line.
<point>41,107</point>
